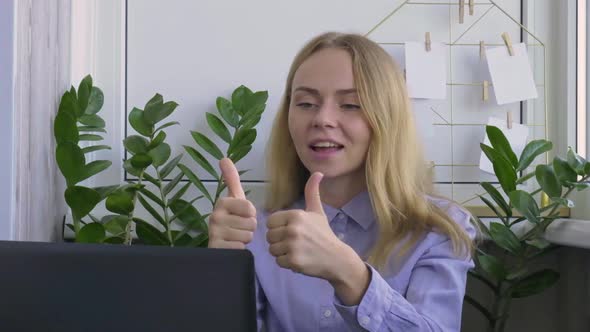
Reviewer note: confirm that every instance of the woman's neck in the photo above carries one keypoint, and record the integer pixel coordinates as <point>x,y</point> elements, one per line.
<point>338,191</point>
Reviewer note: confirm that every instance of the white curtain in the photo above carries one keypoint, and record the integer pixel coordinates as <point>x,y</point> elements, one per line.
<point>42,75</point>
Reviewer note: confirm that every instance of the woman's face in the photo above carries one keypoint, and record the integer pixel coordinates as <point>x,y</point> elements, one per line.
<point>328,127</point>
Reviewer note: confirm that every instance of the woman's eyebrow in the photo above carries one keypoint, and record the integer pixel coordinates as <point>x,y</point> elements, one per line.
<point>317,93</point>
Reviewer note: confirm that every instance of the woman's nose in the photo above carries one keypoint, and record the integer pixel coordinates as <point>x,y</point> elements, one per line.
<point>326,115</point>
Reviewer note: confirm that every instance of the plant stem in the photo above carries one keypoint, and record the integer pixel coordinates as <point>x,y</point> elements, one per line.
<point>128,239</point>
<point>500,310</point>
<point>165,201</point>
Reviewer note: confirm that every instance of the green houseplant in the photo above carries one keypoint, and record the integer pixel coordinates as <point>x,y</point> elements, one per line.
<point>506,266</point>
<point>175,220</point>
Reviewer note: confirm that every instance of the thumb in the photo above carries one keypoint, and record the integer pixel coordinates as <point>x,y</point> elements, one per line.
<point>313,202</point>
<point>231,178</point>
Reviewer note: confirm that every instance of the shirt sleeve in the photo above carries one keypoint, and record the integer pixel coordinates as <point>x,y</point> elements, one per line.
<point>433,301</point>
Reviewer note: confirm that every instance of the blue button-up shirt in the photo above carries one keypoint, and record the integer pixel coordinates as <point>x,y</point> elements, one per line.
<point>421,291</point>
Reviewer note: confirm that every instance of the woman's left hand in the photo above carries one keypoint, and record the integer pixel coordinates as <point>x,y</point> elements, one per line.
<point>302,240</point>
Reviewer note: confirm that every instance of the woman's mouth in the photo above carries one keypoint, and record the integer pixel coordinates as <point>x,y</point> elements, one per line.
<point>323,150</point>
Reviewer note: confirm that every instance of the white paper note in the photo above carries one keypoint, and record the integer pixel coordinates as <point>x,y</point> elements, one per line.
<point>511,75</point>
<point>516,136</point>
<point>424,119</point>
<point>426,72</point>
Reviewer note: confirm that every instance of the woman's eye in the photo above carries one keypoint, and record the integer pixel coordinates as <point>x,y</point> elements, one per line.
<point>350,106</point>
<point>305,105</point>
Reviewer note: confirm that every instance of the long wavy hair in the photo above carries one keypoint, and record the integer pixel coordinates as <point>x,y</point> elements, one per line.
<point>398,179</point>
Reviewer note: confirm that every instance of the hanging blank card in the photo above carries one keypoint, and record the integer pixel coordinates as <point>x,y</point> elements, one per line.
<point>426,71</point>
<point>511,75</point>
<point>516,136</point>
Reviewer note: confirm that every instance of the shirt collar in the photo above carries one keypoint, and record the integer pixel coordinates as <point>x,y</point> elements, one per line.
<point>359,209</point>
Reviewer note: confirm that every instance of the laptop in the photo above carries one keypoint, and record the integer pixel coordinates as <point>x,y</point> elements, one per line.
<point>69,287</point>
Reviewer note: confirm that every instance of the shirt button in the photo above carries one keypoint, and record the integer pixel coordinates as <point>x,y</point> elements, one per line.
<point>365,321</point>
<point>327,313</point>
<point>341,236</point>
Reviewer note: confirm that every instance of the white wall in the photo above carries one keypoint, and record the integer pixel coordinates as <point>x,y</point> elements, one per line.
<point>6,107</point>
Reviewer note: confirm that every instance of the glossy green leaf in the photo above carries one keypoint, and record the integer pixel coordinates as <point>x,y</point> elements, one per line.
<point>130,169</point>
<point>91,129</point>
<point>239,99</point>
<point>240,153</point>
<point>159,139</point>
<point>84,90</point>
<point>170,166</point>
<point>90,137</point>
<point>492,266</point>
<point>504,171</point>
<point>81,200</point>
<point>531,151</point>
<point>120,202</point>
<point>548,180</point>
<point>576,162</point>
<point>183,240</point>
<point>166,125</point>
<point>156,110</point>
<point>256,102</point>
<point>539,243</point>
<point>93,168</point>
<point>116,225</point>
<point>141,160</point>
<point>138,122</point>
<point>227,112</point>
<point>250,122</point>
<point>136,144</point>
<point>94,148</point>
<point>564,171</point>
<point>535,283</point>
<point>92,120</point>
<point>147,193</point>
<point>91,233</point>
<point>243,137</point>
<point>564,201</point>
<point>501,144</point>
<point>188,214</point>
<point>95,101</point>
<point>218,127</point>
<point>517,274</point>
<point>180,192</point>
<point>524,203</point>
<point>492,206</point>
<point>160,154</point>
<point>201,241</point>
<point>65,129</point>
<point>104,191</point>
<point>200,159</point>
<point>149,234</point>
<point>146,205</point>
<point>207,145</point>
<point>481,226</point>
<point>69,105</point>
<point>70,160</point>
<point>504,238</point>
<point>497,197</point>
<point>114,240</point>
<point>196,181</point>
<point>172,184</point>
<point>525,178</point>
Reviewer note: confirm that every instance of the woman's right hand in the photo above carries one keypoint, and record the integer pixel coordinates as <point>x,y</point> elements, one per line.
<point>233,220</point>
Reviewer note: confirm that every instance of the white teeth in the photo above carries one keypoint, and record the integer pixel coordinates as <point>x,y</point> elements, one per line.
<point>325,145</point>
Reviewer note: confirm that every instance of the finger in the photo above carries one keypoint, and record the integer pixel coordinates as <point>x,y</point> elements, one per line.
<point>287,262</point>
<point>231,178</point>
<point>236,206</point>
<point>313,202</point>
<point>241,223</point>
<point>279,249</point>
<point>221,244</point>
<point>276,234</point>
<point>231,234</point>
<point>278,219</point>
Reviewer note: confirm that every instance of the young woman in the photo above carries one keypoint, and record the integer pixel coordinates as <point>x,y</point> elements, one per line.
<point>350,238</point>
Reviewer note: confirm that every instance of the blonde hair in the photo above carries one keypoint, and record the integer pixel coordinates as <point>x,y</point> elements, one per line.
<point>398,179</point>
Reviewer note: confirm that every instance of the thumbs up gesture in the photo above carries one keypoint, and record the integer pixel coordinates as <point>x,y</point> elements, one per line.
<point>233,220</point>
<point>302,240</point>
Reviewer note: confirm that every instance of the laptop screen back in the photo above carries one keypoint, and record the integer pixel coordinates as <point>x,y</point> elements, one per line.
<point>69,287</point>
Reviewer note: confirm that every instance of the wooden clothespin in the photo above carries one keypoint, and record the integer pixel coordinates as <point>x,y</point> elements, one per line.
<point>482,50</point>
<point>508,43</point>
<point>461,11</point>
<point>486,93</point>
<point>428,42</point>
<point>509,120</point>
<point>471,7</point>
